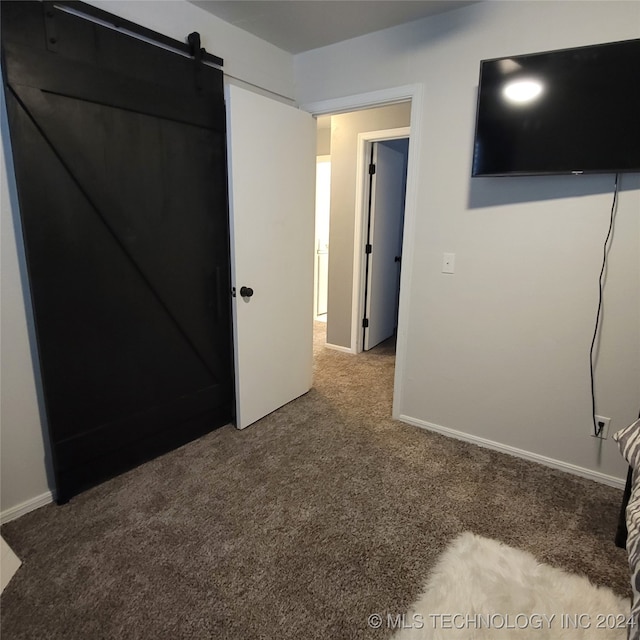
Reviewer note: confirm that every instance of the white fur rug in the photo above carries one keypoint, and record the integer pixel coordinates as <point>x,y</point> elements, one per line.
<point>482,589</point>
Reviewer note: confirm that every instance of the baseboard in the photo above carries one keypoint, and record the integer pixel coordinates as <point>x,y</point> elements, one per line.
<point>30,505</point>
<point>602,478</point>
<point>337,347</point>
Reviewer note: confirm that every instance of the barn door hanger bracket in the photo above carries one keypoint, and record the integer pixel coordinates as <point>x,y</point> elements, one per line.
<point>197,52</point>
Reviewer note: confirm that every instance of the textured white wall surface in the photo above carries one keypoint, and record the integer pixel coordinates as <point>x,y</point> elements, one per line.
<point>499,351</point>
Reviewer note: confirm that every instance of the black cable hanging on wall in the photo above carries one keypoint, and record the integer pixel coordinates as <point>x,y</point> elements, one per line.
<point>597,429</point>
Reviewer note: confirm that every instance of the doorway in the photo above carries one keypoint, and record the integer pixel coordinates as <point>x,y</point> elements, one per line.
<point>343,137</point>
<point>414,96</point>
<point>321,256</point>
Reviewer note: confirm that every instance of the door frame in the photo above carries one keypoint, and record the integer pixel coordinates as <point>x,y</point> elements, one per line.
<point>415,94</point>
<point>365,144</point>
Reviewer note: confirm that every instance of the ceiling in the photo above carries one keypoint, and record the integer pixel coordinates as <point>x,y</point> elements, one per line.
<point>301,25</point>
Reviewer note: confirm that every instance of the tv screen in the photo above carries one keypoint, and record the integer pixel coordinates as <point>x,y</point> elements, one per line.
<point>568,111</point>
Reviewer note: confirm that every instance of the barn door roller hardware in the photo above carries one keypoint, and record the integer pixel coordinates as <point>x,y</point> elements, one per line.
<point>197,53</point>
<point>106,19</point>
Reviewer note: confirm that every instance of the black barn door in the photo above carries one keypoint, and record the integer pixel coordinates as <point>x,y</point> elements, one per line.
<point>119,153</point>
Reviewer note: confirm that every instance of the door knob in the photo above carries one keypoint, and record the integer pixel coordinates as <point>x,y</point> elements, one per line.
<point>246,292</point>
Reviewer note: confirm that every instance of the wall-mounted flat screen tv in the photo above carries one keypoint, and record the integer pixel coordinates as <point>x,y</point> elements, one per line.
<point>568,111</point>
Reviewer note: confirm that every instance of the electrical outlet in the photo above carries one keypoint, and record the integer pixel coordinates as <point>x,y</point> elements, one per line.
<point>604,422</point>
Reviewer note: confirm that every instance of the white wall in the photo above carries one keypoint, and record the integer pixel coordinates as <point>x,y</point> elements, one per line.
<point>22,451</point>
<point>499,351</point>
<point>23,470</point>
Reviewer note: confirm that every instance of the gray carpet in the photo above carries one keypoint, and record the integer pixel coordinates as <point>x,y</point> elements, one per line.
<point>298,527</point>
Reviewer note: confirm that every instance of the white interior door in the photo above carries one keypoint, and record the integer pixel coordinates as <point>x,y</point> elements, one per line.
<point>271,149</point>
<point>385,237</point>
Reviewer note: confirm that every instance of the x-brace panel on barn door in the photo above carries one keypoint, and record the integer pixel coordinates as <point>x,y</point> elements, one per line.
<point>119,151</point>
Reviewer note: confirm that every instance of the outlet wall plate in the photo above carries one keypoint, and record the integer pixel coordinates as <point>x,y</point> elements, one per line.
<point>605,429</point>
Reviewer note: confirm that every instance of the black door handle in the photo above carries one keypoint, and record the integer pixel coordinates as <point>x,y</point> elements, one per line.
<point>246,292</point>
